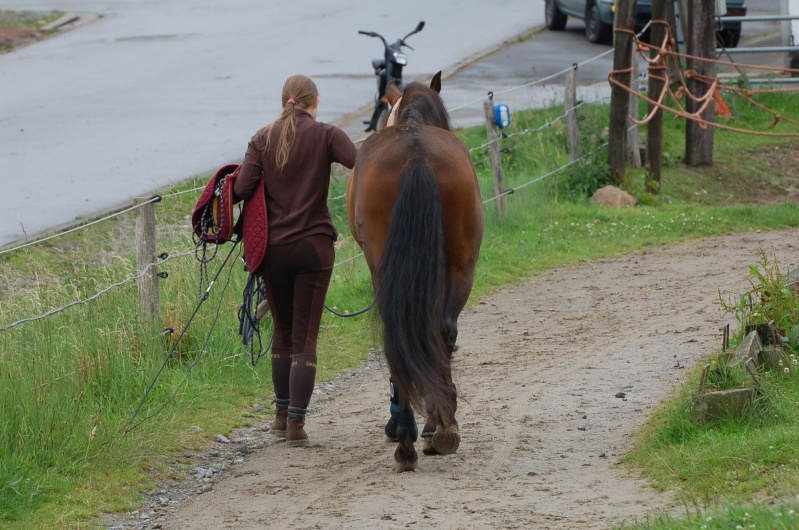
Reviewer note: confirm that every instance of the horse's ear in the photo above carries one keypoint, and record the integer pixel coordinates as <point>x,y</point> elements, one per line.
<point>435,84</point>
<point>393,92</point>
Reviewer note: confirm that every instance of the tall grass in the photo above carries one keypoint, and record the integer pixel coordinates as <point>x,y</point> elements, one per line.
<point>72,382</point>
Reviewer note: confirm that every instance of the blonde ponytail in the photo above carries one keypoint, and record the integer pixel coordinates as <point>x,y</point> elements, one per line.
<point>297,90</point>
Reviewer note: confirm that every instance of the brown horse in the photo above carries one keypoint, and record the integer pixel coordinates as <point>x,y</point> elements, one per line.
<point>414,207</point>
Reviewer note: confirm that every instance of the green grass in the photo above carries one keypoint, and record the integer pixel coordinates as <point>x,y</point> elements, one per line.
<point>73,381</point>
<point>748,463</point>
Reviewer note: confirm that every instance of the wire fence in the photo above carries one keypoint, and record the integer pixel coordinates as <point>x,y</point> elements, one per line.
<point>159,198</point>
<point>167,196</point>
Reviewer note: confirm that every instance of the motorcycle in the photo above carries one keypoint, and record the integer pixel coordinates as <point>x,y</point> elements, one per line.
<point>387,68</point>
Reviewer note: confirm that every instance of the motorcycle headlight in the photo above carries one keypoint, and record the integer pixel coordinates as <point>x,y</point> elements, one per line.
<point>400,58</point>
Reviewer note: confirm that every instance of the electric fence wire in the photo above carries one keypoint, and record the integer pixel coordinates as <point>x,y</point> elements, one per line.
<point>528,131</point>
<point>150,387</point>
<point>536,82</point>
<point>156,198</point>
<point>505,192</point>
<point>96,295</point>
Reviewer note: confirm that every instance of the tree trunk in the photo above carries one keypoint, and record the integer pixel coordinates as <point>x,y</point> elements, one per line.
<point>654,130</point>
<point>700,43</point>
<point>620,97</point>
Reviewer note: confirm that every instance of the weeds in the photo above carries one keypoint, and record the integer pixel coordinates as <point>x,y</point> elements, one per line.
<point>773,299</point>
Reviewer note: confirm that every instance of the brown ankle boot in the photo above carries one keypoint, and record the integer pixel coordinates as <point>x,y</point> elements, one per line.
<point>278,425</point>
<point>295,431</point>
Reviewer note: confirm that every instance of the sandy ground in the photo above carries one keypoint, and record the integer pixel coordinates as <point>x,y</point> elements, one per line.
<point>541,370</point>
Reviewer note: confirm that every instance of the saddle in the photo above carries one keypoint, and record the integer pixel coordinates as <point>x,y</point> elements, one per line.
<point>213,217</point>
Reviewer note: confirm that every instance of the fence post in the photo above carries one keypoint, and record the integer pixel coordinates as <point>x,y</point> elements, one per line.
<point>496,158</point>
<point>145,255</point>
<point>569,102</point>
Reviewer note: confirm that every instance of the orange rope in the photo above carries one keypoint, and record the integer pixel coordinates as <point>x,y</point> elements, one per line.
<point>657,70</point>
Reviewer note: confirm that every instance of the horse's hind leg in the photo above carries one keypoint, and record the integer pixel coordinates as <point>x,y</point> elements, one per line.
<point>458,288</point>
<point>449,328</point>
<point>394,408</point>
<point>405,458</point>
<point>440,434</point>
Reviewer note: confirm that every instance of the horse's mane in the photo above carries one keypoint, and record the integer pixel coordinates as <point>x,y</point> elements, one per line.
<point>422,105</point>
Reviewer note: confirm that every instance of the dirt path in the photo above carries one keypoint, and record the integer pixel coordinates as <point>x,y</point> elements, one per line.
<point>539,368</point>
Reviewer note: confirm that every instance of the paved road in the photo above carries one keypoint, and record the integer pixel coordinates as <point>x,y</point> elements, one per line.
<point>157,91</point>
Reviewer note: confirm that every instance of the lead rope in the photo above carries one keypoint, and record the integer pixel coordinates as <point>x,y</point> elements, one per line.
<point>253,310</point>
<point>355,314</point>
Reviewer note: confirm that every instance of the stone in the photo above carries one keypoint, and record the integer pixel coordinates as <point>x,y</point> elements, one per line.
<point>721,404</point>
<point>614,197</point>
<point>749,347</point>
<point>774,358</point>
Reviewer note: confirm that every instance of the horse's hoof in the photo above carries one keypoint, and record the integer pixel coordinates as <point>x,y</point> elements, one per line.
<point>401,467</point>
<point>427,447</point>
<point>405,458</point>
<point>445,441</point>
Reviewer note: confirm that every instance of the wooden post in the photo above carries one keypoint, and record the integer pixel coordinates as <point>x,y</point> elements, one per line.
<point>684,15</point>
<point>700,43</point>
<point>654,130</point>
<point>496,159</point>
<point>619,97</point>
<point>569,102</point>
<point>633,134</point>
<point>674,67</point>
<point>145,255</point>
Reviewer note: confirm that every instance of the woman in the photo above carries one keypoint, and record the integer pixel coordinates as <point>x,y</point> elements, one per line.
<point>294,155</point>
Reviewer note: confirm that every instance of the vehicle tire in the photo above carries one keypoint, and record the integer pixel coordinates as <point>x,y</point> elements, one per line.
<point>597,31</point>
<point>555,19</point>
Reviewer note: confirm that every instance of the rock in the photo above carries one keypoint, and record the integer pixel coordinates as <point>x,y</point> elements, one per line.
<point>774,358</point>
<point>221,438</point>
<point>749,347</point>
<point>614,197</point>
<point>713,406</point>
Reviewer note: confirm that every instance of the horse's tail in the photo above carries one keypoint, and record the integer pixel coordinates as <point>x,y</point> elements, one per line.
<point>410,292</point>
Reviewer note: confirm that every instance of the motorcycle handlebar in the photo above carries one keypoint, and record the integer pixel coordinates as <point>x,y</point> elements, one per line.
<point>418,28</point>
<point>373,34</point>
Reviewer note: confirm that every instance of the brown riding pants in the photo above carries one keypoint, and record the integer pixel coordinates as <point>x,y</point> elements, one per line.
<point>296,276</point>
